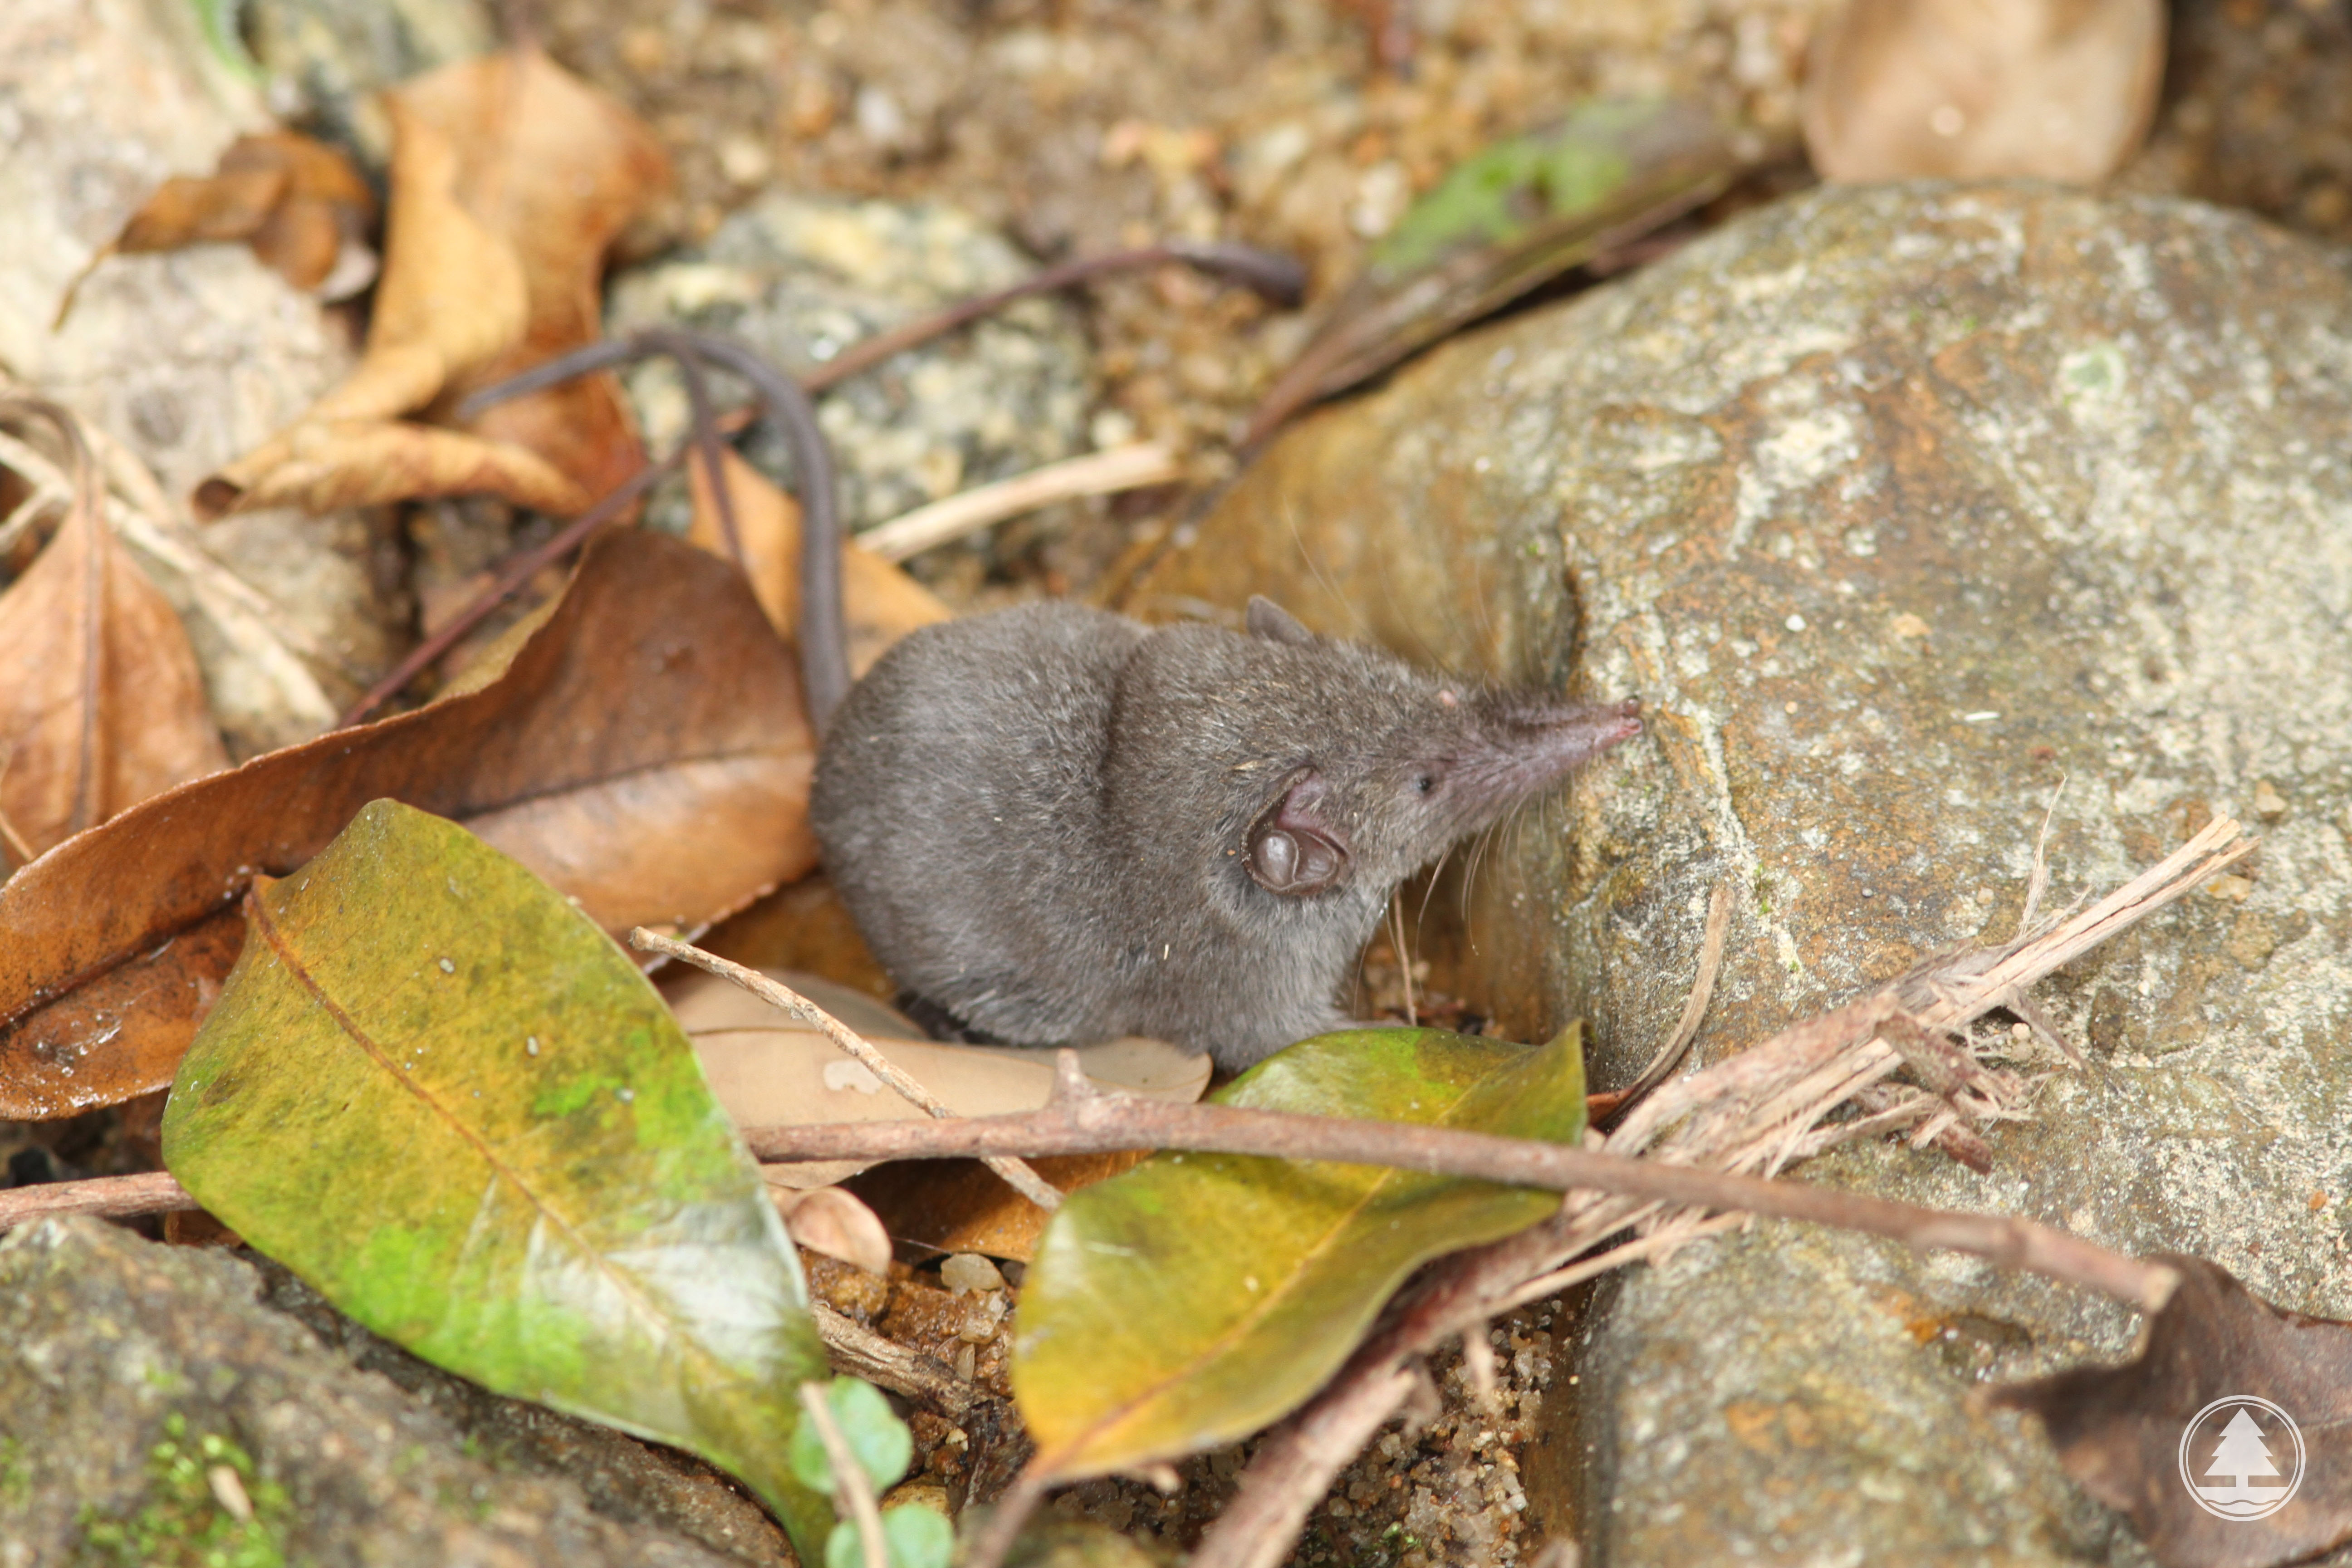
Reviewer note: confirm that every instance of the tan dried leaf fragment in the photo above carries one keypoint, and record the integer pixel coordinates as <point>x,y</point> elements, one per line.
<point>2054,89</point>
<point>881,602</point>
<point>509,179</point>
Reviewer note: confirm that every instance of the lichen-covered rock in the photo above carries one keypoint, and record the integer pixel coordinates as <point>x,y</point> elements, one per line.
<point>131,1374</point>
<point>801,279</point>
<point>1898,506</point>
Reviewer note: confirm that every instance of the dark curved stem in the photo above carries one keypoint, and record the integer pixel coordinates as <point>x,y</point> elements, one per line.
<point>1269,273</point>
<point>705,437</point>
<point>824,641</point>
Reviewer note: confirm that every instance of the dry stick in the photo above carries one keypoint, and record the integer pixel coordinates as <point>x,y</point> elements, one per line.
<point>861,1353</point>
<point>1017,1173</point>
<point>1136,466</point>
<point>1088,1120</point>
<point>113,1198</point>
<point>853,1493</point>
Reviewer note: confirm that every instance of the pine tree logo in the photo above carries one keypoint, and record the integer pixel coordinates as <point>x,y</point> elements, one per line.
<point>2241,1457</point>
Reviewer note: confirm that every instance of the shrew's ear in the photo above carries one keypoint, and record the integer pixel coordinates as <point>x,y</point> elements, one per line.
<point>1293,850</point>
<point>1274,624</point>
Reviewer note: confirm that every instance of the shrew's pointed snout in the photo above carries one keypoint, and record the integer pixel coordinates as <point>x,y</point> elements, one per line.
<point>1585,730</point>
<point>1529,746</point>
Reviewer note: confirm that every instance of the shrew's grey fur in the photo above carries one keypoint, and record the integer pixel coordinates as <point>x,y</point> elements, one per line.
<point>1059,826</point>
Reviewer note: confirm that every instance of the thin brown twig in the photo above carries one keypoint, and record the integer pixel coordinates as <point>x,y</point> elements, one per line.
<point>1017,1172</point>
<point>1099,1121</point>
<point>885,1362</point>
<point>1137,465</point>
<point>853,1492</point>
<point>112,1197</point>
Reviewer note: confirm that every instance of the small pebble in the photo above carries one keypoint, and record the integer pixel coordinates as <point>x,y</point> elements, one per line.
<point>968,1272</point>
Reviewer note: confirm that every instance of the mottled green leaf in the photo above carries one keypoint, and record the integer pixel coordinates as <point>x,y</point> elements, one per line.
<point>877,1440</point>
<point>438,1092</point>
<point>1505,220</point>
<point>1199,1297</point>
<point>913,1535</point>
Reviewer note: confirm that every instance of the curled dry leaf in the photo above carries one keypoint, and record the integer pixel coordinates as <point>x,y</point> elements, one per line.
<point>2056,90</point>
<point>2126,1432</point>
<point>557,170</point>
<point>644,752</point>
<point>297,202</point>
<point>880,603</point>
<point>828,1220</point>
<point>101,704</point>
<point>350,462</point>
<point>509,178</point>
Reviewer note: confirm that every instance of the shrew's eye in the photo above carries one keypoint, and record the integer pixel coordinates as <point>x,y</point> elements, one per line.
<point>1423,783</point>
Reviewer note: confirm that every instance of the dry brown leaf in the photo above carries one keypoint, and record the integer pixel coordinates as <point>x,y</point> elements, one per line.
<point>2057,90</point>
<point>509,178</point>
<point>831,1221</point>
<point>2249,1403</point>
<point>558,169</point>
<point>324,464</point>
<point>880,603</point>
<point>202,209</point>
<point>297,201</point>
<point>646,752</point>
<point>101,704</point>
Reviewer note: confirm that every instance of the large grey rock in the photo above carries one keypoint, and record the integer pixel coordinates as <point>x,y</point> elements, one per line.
<point>1899,505</point>
<point>131,1372</point>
